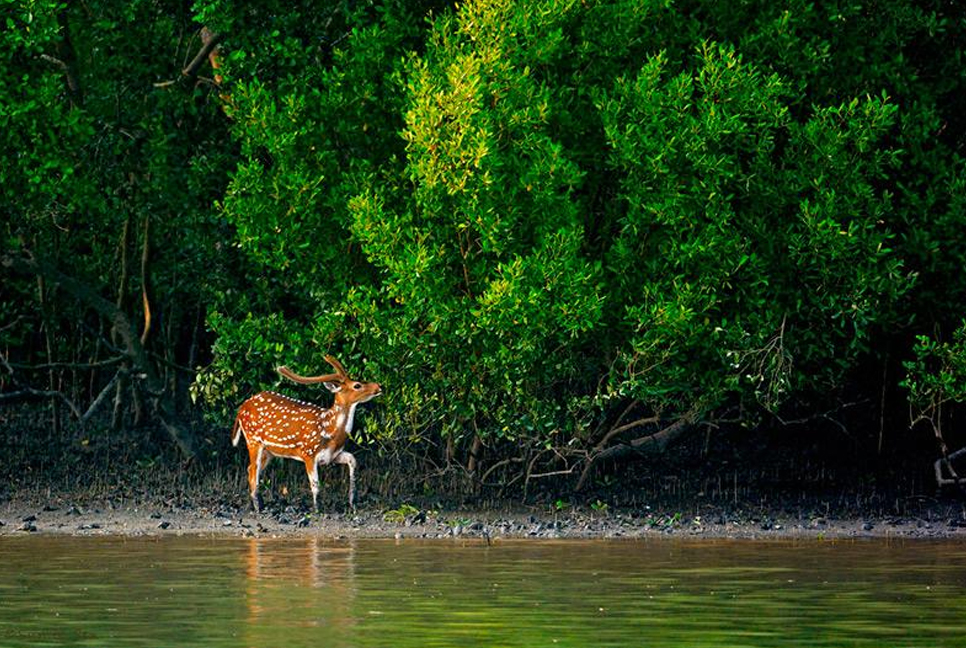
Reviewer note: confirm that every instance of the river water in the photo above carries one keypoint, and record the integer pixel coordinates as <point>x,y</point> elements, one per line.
<point>196,591</point>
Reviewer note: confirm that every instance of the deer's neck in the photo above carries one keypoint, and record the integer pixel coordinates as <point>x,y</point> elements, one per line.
<point>344,416</point>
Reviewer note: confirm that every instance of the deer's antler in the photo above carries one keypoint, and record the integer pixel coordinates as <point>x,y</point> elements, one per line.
<point>339,376</point>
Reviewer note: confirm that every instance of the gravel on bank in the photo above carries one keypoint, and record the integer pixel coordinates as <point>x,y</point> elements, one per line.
<point>26,518</point>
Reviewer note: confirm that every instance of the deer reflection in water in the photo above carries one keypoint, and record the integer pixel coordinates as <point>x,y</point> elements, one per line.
<point>293,584</point>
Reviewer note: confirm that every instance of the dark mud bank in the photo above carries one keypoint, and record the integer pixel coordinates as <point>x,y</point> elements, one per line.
<point>941,520</point>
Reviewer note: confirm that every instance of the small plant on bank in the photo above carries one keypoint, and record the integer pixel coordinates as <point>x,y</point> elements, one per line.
<point>400,514</point>
<point>664,522</point>
<point>599,507</point>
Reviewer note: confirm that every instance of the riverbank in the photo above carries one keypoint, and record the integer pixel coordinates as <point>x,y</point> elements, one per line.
<point>129,484</point>
<point>937,521</point>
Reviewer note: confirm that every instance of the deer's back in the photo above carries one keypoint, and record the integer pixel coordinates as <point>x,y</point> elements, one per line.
<point>283,423</point>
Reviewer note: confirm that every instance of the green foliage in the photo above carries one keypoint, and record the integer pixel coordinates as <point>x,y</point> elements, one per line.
<point>526,219</point>
<point>936,377</point>
<point>110,163</point>
<point>749,258</point>
<point>484,287</point>
<point>589,205</point>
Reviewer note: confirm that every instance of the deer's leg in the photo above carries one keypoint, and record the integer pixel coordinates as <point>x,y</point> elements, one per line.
<point>312,470</point>
<point>253,473</point>
<point>350,461</point>
<point>257,459</point>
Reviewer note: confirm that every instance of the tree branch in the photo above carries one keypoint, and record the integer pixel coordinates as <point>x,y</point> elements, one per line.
<point>100,398</point>
<point>65,59</point>
<point>11,325</point>
<point>209,42</point>
<point>27,264</point>
<point>209,46</point>
<point>618,429</point>
<point>651,442</point>
<point>144,281</point>
<point>499,464</point>
<point>946,461</point>
<point>68,365</point>
<point>29,392</point>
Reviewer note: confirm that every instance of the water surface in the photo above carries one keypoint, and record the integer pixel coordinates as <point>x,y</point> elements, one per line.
<point>191,591</point>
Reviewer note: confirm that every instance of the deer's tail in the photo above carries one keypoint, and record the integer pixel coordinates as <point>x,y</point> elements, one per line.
<point>236,431</point>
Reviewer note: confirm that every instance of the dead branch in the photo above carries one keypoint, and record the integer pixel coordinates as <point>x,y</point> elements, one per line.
<point>826,415</point>
<point>553,473</point>
<point>946,461</point>
<point>83,417</point>
<point>530,475</point>
<point>67,365</point>
<point>620,418</point>
<point>53,60</point>
<point>161,360</point>
<point>25,393</point>
<point>654,442</point>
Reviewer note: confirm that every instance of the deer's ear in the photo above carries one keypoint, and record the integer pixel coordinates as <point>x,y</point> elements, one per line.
<point>333,387</point>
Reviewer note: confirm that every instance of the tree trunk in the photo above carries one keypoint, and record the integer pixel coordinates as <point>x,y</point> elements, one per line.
<point>123,385</point>
<point>65,52</point>
<point>134,350</point>
<point>45,317</point>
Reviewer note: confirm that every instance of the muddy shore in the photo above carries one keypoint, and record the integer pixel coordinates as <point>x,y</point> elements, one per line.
<point>99,519</point>
<point>124,485</point>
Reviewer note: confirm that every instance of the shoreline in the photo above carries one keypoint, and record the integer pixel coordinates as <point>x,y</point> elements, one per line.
<point>25,519</point>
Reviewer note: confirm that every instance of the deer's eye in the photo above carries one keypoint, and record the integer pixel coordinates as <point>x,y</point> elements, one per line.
<point>357,386</point>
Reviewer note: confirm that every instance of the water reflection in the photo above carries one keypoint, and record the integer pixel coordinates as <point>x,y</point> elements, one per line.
<point>254,592</point>
<point>298,585</point>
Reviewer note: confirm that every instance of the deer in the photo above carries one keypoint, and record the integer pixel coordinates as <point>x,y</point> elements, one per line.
<point>278,426</point>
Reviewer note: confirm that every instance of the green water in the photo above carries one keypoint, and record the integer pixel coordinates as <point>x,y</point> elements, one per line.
<point>64,591</point>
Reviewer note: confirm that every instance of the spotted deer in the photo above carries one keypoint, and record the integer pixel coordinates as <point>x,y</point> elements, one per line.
<point>279,426</point>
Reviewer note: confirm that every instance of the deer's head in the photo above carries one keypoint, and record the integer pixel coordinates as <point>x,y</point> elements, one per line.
<point>347,391</point>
